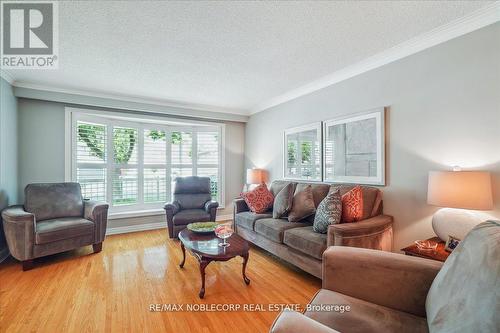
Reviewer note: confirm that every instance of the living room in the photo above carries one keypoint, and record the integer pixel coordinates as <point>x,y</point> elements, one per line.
<point>250,166</point>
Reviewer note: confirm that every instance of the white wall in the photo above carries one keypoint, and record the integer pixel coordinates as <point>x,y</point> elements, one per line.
<point>444,111</point>
<point>8,154</point>
<point>41,153</point>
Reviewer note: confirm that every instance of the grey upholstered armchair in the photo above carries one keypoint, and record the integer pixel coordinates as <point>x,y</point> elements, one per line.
<point>54,219</point>
<point>192,203</point>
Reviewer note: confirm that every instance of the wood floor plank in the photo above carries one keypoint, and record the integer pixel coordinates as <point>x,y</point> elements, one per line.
<point>111,291</point>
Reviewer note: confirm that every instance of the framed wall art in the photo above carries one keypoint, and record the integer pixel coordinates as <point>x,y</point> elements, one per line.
<point>354,148</point>
<point>302,153</point>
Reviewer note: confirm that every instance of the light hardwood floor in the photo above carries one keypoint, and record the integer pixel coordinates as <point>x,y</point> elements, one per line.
<point>112,291</point>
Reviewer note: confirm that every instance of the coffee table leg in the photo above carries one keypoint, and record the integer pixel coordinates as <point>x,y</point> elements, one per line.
<point>183,255</point>
<point>203,264</point>
<point>245,260</point>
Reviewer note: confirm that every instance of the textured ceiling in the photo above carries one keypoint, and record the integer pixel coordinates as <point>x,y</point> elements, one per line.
<point>232,55</point>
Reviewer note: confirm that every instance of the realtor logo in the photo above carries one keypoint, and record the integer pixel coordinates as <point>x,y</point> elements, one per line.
<point>29,35</point>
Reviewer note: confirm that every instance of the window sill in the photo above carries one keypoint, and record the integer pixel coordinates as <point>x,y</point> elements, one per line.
<point>139,213</point>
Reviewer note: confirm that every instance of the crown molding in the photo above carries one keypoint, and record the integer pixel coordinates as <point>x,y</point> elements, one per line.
<point>130,98</point>
<point>6,76</point>
<point>476,20</point>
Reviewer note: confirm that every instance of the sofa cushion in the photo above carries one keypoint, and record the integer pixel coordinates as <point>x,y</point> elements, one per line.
<point>329,211</point>
<point>352,205</point>
<point>274,229</point>
<point>283,201</point>
<point>259,200</point>
<point>464,295</point>
<point>363,316</point>
<point>303,205</point>
<point>319,191</point>
<point>187,216</point>
<point>192,200</point>
<point>247,219</point>
<point>58,229</point>
<point>372,199</point>
<point>53,200</point>
<point>277,186</point>
<point>307,241</point>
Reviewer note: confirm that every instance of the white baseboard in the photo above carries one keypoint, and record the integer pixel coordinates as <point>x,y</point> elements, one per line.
<point>151,226</point>
<point>135,228</point>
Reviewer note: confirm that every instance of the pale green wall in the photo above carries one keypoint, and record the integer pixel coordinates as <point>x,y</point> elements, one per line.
<point>445,110</point>
<point>8,154</point>
<point>41,143</point>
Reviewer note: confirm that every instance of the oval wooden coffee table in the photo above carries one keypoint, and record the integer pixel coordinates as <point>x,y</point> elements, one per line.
<point>205,248</point>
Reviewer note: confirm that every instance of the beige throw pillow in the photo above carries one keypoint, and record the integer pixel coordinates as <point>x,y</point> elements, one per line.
<point>302,206</point>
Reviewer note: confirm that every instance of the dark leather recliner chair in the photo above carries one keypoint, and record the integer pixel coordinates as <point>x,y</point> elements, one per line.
<point>54,219</point>
<point>192,203</point>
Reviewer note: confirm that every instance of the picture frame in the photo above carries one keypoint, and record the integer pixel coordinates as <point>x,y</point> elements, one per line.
<point>302,153</point>
<point>354,148</point>
<point>451,243</point>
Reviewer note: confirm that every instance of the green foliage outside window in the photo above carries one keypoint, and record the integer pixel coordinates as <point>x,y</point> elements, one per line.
<point>306,148</point>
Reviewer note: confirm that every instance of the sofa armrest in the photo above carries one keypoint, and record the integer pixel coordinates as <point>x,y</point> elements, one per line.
<point>373,233</point>
<point>294,322</point>
<point>240,205</point>
<point>97,212</point>
<point>389,279</point>
<point>19,228</point>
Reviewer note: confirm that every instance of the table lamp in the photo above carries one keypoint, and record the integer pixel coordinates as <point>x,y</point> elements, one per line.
<point>459,192</point>
<point>255,177</point>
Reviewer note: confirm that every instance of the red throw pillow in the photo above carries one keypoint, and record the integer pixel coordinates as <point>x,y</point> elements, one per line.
<point>259,200</point>
<point>352,205</point>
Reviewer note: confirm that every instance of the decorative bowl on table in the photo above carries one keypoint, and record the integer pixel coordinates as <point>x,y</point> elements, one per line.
<point>426,245</point>
<point>224,231</point>
<point>202,227</point>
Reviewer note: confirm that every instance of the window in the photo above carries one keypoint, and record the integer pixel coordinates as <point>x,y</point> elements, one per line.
<point>133,164</point>
<point>302,152</point>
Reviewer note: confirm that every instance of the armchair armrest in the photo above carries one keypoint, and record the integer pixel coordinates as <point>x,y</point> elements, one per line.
<point>172,207</point>
<point>97,212</point>
<point>19,228</point>
<point>389,279</point>
<point>93,209</point>
<point>211,208</point>
<point>240,205</point>
<point>209,205</point>
<point>294,322</point>
<point>375,233</point>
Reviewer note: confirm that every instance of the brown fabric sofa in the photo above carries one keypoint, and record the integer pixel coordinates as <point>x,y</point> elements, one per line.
<point>298,244</point>
<point>192,203</point>
<point>54,219</point>
<point>390,292</point>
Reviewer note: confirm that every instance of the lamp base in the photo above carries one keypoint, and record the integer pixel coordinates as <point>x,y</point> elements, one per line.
<point>456,222</point>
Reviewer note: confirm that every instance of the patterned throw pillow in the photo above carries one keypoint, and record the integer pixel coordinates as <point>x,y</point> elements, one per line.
<point>302,206</point>
<point>283,201</point>
<point>352,205</point>
<point>329,211</point>
<point>259,200</point>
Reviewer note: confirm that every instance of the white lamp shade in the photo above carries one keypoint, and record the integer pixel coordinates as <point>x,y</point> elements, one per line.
<point>256,176</point>
<point>460,189</point>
